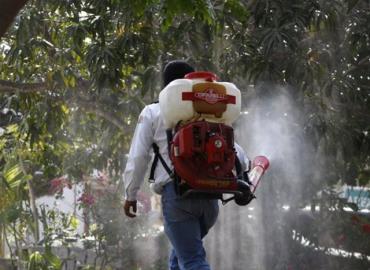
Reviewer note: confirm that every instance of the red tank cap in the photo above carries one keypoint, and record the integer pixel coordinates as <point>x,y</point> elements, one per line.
<point>261,161</point>
<point>208,76</point>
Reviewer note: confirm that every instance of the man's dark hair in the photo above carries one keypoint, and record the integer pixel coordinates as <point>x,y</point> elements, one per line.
<point>176,69</point>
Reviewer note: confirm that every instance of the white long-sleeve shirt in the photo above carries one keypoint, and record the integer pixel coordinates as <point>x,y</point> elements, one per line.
<point>150,128</point>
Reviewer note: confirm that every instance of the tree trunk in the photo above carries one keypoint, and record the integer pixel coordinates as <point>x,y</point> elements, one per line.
<point>34,210</point>
<point>32,197</point>
<point>1,243</point>
<point>9,9</point>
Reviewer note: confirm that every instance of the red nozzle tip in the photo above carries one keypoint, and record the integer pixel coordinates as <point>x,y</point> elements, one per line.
<point>261,161</point>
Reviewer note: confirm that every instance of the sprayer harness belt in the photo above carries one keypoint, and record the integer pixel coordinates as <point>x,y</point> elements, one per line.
<point>150,129</point>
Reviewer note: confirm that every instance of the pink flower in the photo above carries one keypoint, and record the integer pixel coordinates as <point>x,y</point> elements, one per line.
<point>87,199</point>
<point>58,184</point>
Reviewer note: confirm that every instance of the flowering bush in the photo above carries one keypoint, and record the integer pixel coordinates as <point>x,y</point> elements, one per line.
<point>86,199</point>
<point>58,184</point>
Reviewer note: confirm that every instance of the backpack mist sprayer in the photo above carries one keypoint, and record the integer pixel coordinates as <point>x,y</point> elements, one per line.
<point>198,112</point>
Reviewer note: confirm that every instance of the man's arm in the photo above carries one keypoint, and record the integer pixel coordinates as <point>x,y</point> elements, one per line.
<point>138,160</point>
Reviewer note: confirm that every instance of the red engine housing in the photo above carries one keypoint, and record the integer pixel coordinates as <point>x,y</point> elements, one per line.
<point>203,155</point>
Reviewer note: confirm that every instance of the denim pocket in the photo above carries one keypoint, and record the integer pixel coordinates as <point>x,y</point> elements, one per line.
<point>168,192</point>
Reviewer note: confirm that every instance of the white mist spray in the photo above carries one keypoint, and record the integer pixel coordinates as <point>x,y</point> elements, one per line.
<point>270,125</point>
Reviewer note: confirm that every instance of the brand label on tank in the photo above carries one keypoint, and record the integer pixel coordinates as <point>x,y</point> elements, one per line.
<point>210,96</point>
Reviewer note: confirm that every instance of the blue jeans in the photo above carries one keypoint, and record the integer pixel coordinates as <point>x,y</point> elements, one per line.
<point>186,222</point>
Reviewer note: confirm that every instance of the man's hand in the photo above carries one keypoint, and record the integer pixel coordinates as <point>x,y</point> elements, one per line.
<point>127,207</point>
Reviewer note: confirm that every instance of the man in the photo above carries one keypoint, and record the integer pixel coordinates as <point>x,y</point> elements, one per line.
<point>186,221</point>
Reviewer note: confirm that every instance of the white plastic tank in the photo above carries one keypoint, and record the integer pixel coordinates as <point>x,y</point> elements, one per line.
<point>199,96</point>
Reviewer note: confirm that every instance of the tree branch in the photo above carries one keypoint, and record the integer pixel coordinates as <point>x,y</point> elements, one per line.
<point>95,108</point>
<point>10,87</point>
<point>88,106</point>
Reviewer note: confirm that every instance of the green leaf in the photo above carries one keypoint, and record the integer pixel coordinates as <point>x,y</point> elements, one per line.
<point>37,262</point>
<point>237,10</point>
<point>54,261</point>
<point>13,213</point>
<point>13,174</point>
<point>351,4</point>
<point>12,128</point>
<point>74,222</point>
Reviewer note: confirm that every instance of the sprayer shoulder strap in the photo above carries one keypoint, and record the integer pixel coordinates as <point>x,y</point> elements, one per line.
<point>239,171</point>
<point>238,167</point>
<point>158,156</point>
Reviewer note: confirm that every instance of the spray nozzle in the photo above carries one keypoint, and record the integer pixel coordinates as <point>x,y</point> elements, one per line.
<point>261,161</point>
